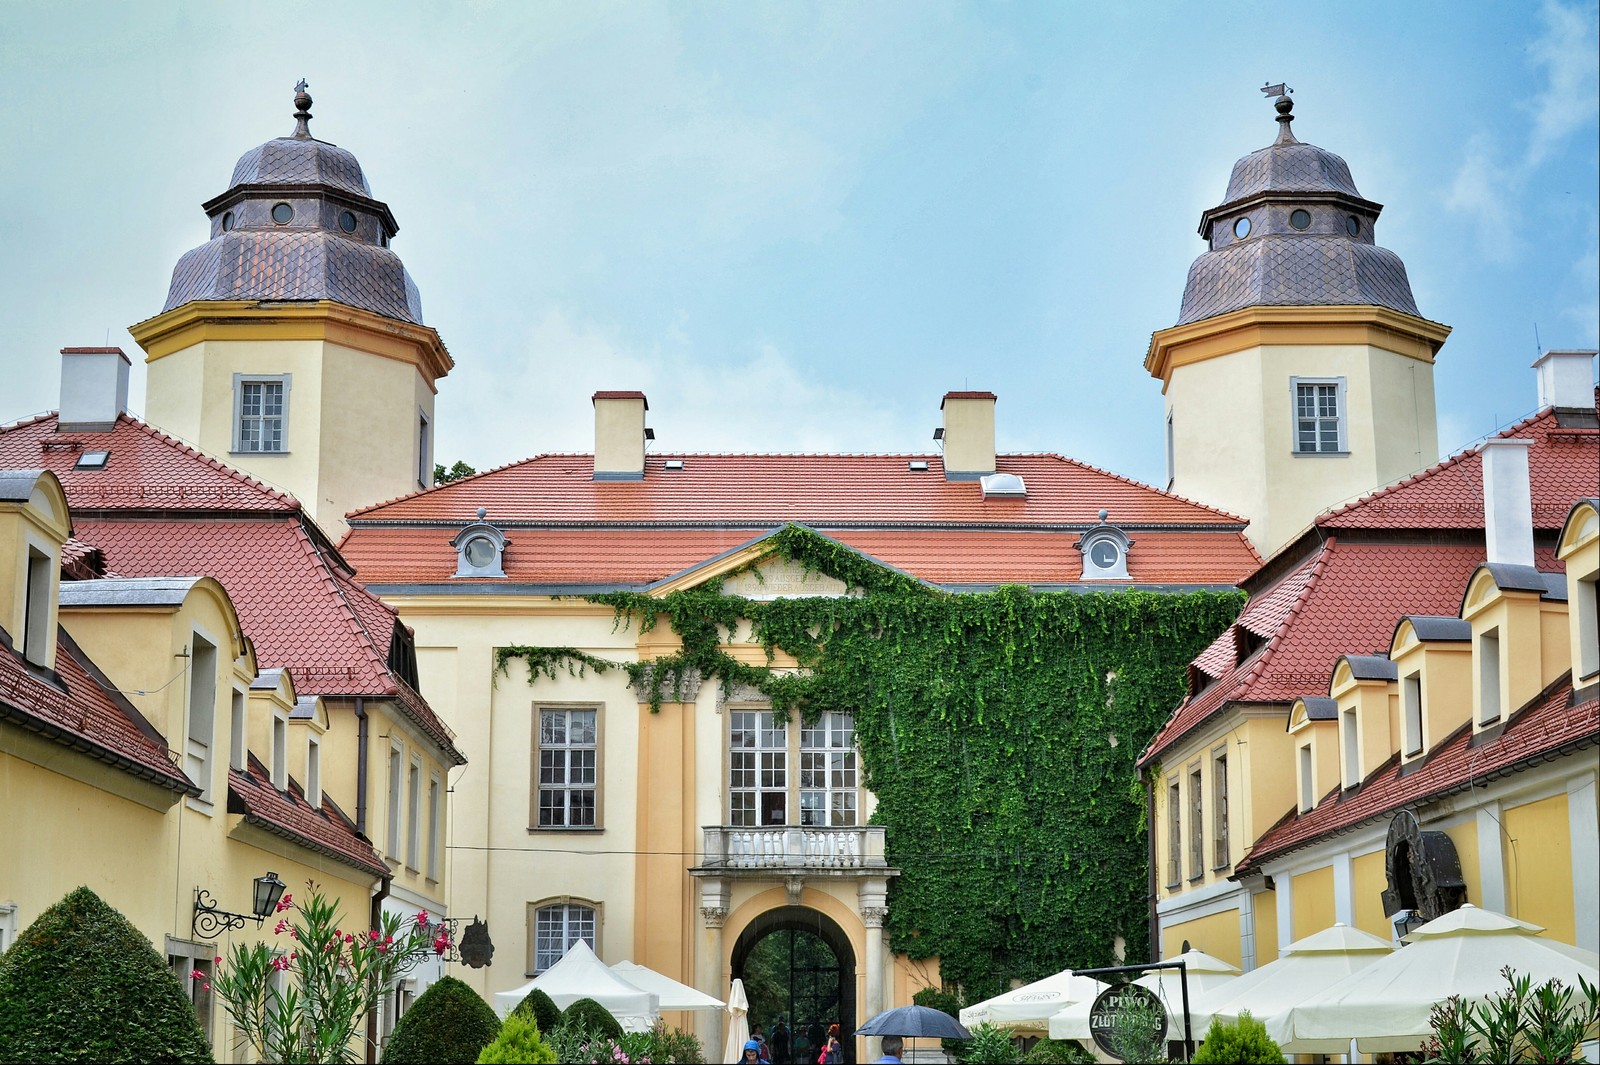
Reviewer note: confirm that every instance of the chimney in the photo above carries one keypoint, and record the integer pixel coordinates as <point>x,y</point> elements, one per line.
<point>1566,379</point>
<point>619,436</point>
<point>968,435</point>
<point>94,389</point>
<point>1507,502</point>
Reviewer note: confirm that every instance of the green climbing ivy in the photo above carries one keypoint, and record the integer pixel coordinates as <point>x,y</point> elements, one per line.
<point>997,730</point>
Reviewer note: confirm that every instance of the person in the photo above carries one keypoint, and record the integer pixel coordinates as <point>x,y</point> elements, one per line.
<point>780,1042</point>
<point>832,1052</point>
<point>763,1052</point>
<point>892,1045</point>
<point>752,1053</point>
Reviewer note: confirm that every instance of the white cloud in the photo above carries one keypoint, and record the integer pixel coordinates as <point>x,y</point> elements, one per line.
<point>1484,189</point>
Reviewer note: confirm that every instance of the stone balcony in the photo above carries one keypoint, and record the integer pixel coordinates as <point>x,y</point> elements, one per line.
<point>785,850</point>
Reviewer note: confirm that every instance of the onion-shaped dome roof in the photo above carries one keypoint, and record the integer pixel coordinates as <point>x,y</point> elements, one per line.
<point>1293,231</point>
<point>298,222</point>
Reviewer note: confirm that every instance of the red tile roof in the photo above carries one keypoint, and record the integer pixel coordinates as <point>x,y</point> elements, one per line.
<point>146,470</point>
<point>81,561</point>
<point>1563,464</point>
<point>1549,726</point>
<point>88,716</point>
<point>324,829</point>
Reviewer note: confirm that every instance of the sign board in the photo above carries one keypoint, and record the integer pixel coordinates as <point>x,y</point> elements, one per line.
<point>1117,1000</point>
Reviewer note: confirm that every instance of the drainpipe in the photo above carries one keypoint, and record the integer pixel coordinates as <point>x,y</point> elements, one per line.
<point>361,766</point>
<point>1150,831</point>
<point>375,920</point>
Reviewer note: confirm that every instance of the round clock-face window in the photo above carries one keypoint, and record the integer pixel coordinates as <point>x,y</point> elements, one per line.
<point>1300,219</point>
<point>1352,226</point>
<point>1241,228</point>
<point>480,552</point>
<point>282,213</point>
<point>1104,554</point>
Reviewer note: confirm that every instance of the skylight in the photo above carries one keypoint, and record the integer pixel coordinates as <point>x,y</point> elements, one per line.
<point>92,460</point>
<point>1003,485</point>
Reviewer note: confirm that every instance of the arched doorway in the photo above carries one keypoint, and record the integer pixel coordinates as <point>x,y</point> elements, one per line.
<point>798,963</point>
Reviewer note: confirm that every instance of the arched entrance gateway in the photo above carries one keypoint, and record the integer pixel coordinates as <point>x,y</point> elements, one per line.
<point>798,964</point>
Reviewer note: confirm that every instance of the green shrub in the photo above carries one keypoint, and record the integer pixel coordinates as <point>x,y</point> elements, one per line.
<point>1245,1043</point>
<point>944,1001</point>
<point>575,1042</point>
<point>518,1043</point>
<point>83,984</point>
<point>542,1009</point>
<point>665,1046</point>
<point>1058,1052</point>
<point>588,1013</point>
<point>1548,1023</point>
<point>992,1044</point>
<point>448,1022</point>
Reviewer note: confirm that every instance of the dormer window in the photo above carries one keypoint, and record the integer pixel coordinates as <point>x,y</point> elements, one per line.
<point>480,549</point>
<point>1105,552</point>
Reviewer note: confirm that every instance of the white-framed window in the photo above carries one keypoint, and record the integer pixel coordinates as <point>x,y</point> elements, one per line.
<point>1587,609</point>
<point>8,925</point>
<point>556,927</point>
<point>1489,677</point>
<point>1411,713</point>
<point>1221,857</point>
<point>1308,795</point>
<point>194,966</point>
<point>424,451</point>
<point>238,731</point>
<point>828,771</point>
<point>1350,748</point>
<point>1196,824</point>
<point>567,768</point>
<point>758,769</point>
<point>435,825</point>
<point>413,820</point>
<point>1174,833</point>
<point>313,772</point>
<point>36,608</point>
<point>396,769</point>
<point>201,740</point>
<point>1172,454</point>
<point>1319,415</point>
<point>280,752</point>
<point>261,412</point>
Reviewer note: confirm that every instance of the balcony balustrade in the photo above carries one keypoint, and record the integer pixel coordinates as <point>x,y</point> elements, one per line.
<point>785,849</point>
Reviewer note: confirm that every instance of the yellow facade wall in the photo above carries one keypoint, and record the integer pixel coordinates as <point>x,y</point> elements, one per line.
<point>1313,902</point>
<point>1465,838</point>
<point>1217,934</point>
<point>1539,887</point>
<point>1266,911</point>
<point>1368,881</point>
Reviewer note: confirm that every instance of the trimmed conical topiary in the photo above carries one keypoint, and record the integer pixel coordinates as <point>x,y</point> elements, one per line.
<point>593,1016</point>
<point>448,1022</point>
<point>541,1008</point>
<point>83,984</point>
<point>518,1043</point>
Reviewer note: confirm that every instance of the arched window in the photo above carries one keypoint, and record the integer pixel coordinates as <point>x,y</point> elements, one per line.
<point>558,925</point>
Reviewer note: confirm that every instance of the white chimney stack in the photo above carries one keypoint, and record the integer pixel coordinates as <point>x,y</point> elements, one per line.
<point>94,389</point>
<point>619,436</point>
<point>968,435</point>
<point>1507,502</point>
<point>1566,379</point>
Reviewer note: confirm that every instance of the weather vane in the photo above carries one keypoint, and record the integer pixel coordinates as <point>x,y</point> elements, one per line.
<point>1279,89</point>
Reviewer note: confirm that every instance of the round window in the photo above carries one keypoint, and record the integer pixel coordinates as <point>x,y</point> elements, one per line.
<point>1300,219</point>
<point>1352,226</point>
<point>1104,554</point>
<point>1241,228</point>
<point>227,221</point>
<point>347,221</point>
<point>480,552</point>
<point>282,213</point>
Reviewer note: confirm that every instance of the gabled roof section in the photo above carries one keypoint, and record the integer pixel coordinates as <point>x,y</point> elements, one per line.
<point>1551,725</point>
<point>1563,465</point>
<point>85,713</point>
<point>146,470</point>
<point>323,829</point>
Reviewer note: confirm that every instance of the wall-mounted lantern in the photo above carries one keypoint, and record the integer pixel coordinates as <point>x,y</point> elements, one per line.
<point>209,921</point>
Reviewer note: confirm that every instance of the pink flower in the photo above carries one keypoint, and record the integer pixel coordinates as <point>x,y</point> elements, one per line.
<point>280,963</point>
<point>285,903</point>
<point>422,919</point>
<point>198,975</point>
<point>388,939</point>
<point>219,959</point>
<point>349,938</point>
<point>294,933</point>
<point>206,986</point>
<point>278,928</point>
<point>372,934</point>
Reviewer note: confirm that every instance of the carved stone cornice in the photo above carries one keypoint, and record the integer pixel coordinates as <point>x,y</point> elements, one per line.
<point>713,916</point>
<point>686,690</point>
<point>874,916</point>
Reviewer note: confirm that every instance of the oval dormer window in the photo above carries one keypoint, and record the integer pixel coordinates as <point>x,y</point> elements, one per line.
<point>1105,554</point>
<point>1241,228</point>
<point>480,549</point>
<point>347,221</point>
<point>480,552</point>
<point>282,213</point>
<point>1104,549</point>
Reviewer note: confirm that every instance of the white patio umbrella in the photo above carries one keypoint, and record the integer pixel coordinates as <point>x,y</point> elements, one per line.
<point>1206,973</point>
<point>1031,1005</point>
<point>673,995</point>
<point>738,1023</point>
<point>1302,969</point>
<point>579,974</point>
<point>1385,1006</point>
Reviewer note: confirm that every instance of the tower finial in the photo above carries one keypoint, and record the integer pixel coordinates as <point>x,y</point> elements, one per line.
<point>1285,108</point>
<point>302,114</point>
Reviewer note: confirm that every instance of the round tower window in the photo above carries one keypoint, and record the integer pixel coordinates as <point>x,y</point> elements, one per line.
<point>1105,554</point>
<point>282,213</point>
<point>1241,228</point>
<point>1300,219</point>
<point>227,221</point>
<point>480,551</point>
<point>347,221</point>
<point>1352,226</point>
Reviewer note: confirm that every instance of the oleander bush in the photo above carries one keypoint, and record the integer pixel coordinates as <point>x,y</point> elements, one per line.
<point>1548,1023</point>
<point>83,984</point>
<point>990,1045</point>
<point>448,1022</point>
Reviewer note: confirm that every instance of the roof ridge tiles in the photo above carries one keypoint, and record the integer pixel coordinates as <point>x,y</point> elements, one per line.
<point>439,487</point>
<point>215,463</point>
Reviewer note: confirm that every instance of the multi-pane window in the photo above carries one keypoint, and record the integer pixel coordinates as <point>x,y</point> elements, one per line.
<point>413,812</point>
<point>1316,414</point>
<point>192,964</point>
<point>1308,795</point>
<point>1174,835</point>
<point>395,759</point>
<point>1196,825</point>
<point>1411,706</point>
<point>568,768</point>
<point>1350,745</point>
<point>1219,801</point>
<point>1489,677</point>
<point>435,823</point>
<point>828,771</point>
<point>36,608</point>
<point>758,769</point>
<point>262,416</point>
<point>556,928</point>
<point>202,713</point>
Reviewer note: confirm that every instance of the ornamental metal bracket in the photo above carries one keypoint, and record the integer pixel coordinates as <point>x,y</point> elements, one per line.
<point>209,922</point>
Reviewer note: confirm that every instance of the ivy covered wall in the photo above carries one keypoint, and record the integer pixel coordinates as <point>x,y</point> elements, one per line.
<point>998,731</point>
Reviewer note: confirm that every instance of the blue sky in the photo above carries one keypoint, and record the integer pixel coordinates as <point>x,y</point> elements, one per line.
<point>796,226</point>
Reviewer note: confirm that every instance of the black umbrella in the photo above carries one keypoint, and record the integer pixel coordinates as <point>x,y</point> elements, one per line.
<point>915,1021</point>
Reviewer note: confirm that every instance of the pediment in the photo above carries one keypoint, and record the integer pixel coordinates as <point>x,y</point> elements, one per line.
<point>780,578</point>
